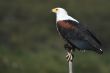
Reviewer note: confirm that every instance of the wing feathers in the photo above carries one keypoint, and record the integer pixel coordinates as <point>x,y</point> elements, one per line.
<point>78,35</point>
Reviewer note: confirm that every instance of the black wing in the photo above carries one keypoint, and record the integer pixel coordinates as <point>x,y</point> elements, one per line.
<point>80,36</point>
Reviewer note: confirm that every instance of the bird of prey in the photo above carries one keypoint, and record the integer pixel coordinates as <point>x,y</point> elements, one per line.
<point>76,35</point>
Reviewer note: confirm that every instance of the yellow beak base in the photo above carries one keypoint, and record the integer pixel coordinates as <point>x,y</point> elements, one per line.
<point>54,10</point>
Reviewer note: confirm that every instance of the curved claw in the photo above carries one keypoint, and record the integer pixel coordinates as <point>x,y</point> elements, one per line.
<point>69,56</point>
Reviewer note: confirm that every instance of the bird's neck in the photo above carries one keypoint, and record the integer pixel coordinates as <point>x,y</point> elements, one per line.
<point>64,16</point>
<point>61,16</point>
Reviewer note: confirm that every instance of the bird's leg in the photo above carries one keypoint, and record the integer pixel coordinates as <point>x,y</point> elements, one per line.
<point>69,55</point>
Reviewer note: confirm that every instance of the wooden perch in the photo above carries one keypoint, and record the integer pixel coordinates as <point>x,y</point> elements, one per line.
<point>70,66</point>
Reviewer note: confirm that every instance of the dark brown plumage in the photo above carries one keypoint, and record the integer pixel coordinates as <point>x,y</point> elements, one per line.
<point>78,36</point>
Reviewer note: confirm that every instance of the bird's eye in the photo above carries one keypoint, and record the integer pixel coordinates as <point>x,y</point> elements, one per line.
<point>56,9</point>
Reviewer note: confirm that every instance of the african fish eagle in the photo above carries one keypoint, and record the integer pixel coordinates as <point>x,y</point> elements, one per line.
<point>76,35</point>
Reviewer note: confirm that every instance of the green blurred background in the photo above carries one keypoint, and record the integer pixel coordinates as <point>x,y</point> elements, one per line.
<point>29,42</point>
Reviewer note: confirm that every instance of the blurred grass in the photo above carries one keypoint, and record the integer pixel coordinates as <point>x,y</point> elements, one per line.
<point>29,62</point>
<point>52,62</point>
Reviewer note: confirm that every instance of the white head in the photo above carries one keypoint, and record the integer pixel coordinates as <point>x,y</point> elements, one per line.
<point>61,14</point>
